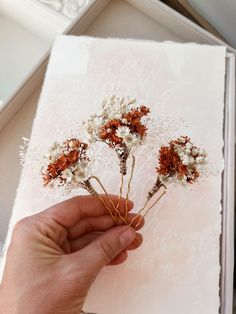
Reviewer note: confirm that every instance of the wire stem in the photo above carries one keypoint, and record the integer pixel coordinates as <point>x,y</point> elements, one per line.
<point>129,187</point>
<point>120,194</point>
<point>147,211</point>
<point>139,212</point>
<point>109,199</point>
<point>108,208</point>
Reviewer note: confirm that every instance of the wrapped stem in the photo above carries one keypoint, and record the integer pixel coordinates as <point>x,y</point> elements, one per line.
<point>123,154</point>
<point>88,186</point>
<point>156,187</point>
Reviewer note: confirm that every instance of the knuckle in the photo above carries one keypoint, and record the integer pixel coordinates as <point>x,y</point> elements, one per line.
<point>21,224</point>
<point>22,227</point>
<point>19,231</point>
<point>107,251</point>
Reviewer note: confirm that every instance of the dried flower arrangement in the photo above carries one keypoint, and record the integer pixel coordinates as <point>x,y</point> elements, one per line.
<point>68,165</point>
<point>124,129</point>
<point>119,126</point>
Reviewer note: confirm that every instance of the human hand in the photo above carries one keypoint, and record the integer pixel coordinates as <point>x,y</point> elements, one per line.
<point>55,256</point>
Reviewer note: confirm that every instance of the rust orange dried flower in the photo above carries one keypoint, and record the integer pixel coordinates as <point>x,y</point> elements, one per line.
<point>180,159</point>
<point>72,151</point>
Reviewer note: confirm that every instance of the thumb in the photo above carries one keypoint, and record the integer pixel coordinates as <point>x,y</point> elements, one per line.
<point>104,249</point>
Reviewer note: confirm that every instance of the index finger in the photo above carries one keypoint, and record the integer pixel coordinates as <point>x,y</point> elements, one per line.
<point>69,212</point>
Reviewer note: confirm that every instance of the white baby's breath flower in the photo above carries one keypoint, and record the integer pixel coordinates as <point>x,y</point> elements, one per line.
<point>130,140</point>
<point>188,145</point>
<point>182,139</point>
<point>191,160</point>
<point>164,179</point>
<point>55,147</point>
<point>123,120</point>
<point>67,175</point>
<point>23,150</point>
<point>182,179</point>
<point>203,152</point>
<point>80,175</point>
<point>200,160</point>
<point>48,157</point>
<point>71,144</point>
<point>54,151</point>
<point>185,160</point>
<point>145,119</point>
<point>122,131</point>
<point>195,152</point>
<point>124,108</point>
<point>90,129</point>
<point>117,116</point>
<point>59,182</point>
<point>92,138</point>
<point>188,151</point>
<point>84,163</point>
<point>97,123</point>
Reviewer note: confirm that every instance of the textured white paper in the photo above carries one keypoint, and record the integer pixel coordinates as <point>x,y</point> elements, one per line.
<point>176,271</point>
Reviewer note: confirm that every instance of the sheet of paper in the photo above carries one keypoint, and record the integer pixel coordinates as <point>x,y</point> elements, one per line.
<point>177,268</point>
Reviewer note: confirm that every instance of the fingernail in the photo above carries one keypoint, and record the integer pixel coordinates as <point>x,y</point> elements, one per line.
<point>127,236</point>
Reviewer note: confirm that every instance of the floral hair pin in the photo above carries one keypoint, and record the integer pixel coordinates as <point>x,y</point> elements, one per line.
<point>178,162</point>
<point>123,127</point>
<point>68,165</point>
<point>119,126</point>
